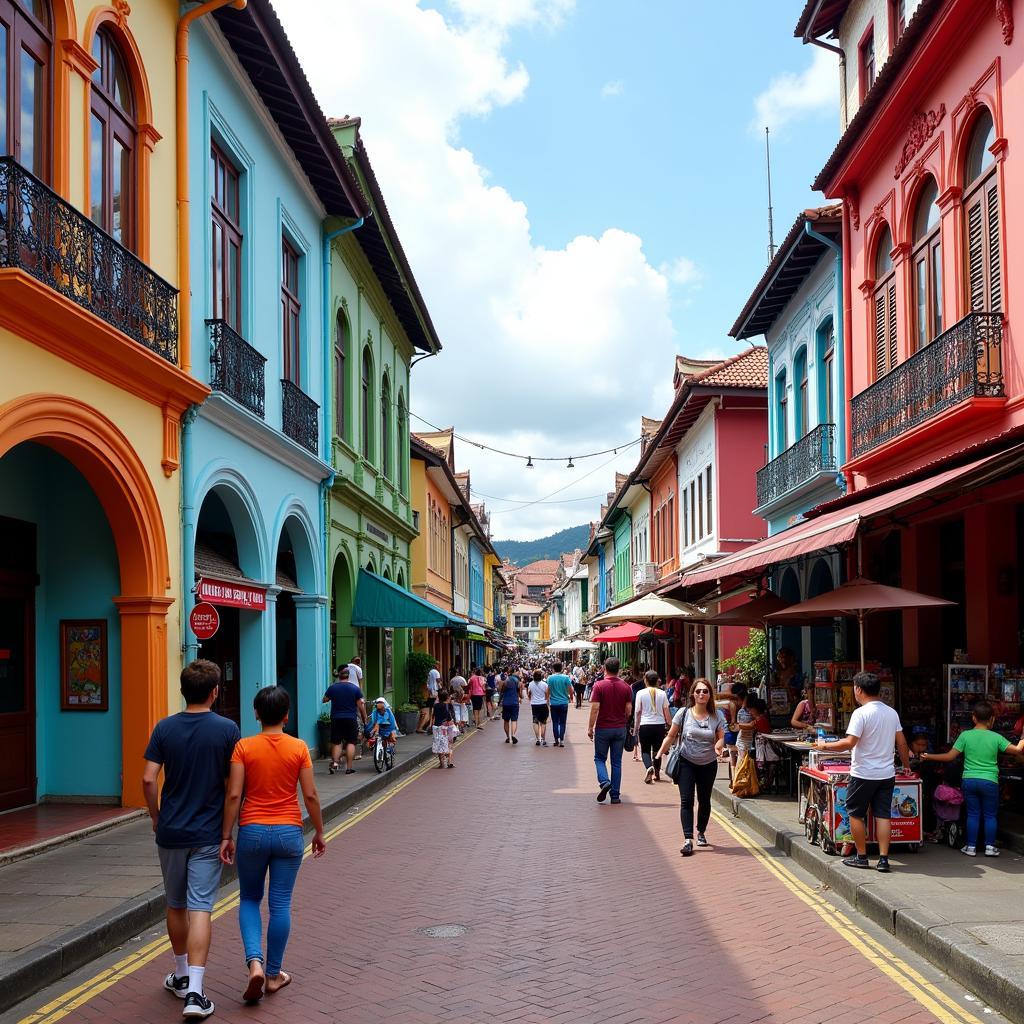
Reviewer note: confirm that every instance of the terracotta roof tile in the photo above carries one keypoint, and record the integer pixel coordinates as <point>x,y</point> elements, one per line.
<point>747,369</point>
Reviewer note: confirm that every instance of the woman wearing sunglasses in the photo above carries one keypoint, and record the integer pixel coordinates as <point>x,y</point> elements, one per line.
<point>700,731</point>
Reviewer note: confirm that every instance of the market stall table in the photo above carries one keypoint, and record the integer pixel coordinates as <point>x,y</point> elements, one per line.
<point>791,750</point>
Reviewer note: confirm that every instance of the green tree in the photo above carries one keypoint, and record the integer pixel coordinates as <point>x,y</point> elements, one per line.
<point>749,662</point>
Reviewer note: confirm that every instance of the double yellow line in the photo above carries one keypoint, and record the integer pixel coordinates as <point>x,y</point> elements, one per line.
<point>81,994</point>
<point>943,1007</point>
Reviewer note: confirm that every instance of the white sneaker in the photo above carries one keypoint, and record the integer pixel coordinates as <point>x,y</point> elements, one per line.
<point>970,851</point>
<point>177,986</point>
<point>991,851</point>
<point>197,1006</point>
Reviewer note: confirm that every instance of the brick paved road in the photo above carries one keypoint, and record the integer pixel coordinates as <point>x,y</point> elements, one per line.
<point>576,912</point>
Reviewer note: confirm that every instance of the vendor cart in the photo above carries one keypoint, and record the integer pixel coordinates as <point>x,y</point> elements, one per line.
<point>822,801</point>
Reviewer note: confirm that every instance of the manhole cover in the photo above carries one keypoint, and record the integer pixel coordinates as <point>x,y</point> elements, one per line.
<point>445,931</point>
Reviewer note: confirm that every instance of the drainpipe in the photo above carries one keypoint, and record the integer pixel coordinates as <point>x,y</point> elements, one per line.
<point>808,38</point>
<point>190,645</point>
<point>328,411</point>
<point>842,441</point>
<point>181,173</point>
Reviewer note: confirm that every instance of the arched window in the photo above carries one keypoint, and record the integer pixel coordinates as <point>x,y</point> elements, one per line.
<point>385,427</point>
<point>981,214</point>
<point>366,399</point>
<point>340,354</point>
<point>25,48</point>
<point>927,259</point>
<point>402,451</point>
<point>826,356</point>
<point>112,143</point>
<point>803,407</point>
<point>782,413</point>
<point>884,298</point>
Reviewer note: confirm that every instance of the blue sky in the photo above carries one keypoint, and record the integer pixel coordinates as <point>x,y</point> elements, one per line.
<point>580,188</point>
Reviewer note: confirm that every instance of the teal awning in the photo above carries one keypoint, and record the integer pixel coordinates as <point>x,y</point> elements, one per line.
<point>382,604</point>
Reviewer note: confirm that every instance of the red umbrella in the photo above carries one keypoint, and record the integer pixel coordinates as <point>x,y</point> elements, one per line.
<point>626,633</point>
<point>859,597</point>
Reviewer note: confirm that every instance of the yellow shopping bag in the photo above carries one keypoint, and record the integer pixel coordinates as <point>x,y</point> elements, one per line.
<point>744,779</point>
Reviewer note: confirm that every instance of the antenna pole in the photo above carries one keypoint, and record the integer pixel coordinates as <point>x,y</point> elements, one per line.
<point>771,228</point>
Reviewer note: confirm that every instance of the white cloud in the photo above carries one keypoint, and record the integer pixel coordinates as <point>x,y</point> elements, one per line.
<point>613,88</point>
<point>681,271</point>
<point>548,351</point>
<point>791,95</point>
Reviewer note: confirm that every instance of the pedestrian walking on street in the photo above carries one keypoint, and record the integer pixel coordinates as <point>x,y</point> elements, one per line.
<point>445,729</point>
<point>560,693</point>
<point>477,689</point>
<point>431,688</point>
<point>509,691</point>
<point>538,692</point>
<point>699,729</point>
<point>636,684</point>
<point>348,717</point>
<point>491,688</point>
<point>651,720</point>
<point>268,768</point>
<point>579,684</point>
<point>193,748</point>
<point>611,704</point>
<point>873,733</point>
<point>457,687</point>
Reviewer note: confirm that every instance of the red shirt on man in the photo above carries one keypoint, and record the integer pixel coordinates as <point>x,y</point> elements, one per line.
<point>614,695</point>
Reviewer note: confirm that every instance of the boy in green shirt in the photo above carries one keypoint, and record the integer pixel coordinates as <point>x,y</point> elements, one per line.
<point>981,748</point>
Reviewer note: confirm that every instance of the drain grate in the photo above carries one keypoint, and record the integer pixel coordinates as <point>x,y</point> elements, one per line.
<point>445,931</point>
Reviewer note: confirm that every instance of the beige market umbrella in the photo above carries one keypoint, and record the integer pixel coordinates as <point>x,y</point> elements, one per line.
<point>651,608</point>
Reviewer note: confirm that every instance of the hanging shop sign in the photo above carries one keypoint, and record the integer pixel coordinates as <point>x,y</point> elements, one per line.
<point>375,531</point>
<point>232,594</point>
<point>204,621</point>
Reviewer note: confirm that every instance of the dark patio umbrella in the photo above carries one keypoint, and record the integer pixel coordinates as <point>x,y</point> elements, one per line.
<point>753,613</point>
<point>858,598</point>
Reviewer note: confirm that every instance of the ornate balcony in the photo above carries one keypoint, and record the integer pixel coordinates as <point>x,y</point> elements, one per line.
<point>236,368</point>
<point>814,453</point>
<point>299,418</point>
<point>58,245</point>
<point>962,363</point>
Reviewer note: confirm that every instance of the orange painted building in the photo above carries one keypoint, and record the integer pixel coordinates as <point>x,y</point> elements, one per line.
<point>91,398</point>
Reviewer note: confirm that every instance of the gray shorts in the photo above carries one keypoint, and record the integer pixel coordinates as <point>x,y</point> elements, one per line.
<point>191,876</point>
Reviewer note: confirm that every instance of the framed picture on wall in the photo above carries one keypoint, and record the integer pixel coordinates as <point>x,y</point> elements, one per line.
<point>83,665</point>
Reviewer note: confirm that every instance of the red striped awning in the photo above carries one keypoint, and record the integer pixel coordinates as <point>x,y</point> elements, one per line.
<point>824,531</point>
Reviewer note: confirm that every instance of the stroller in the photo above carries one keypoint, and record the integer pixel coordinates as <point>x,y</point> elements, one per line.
<point>948,803</point>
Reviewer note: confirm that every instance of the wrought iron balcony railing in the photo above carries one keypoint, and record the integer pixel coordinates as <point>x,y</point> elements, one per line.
<point>236,368</point>
<point>48,238</point>
<point>299,418</point>
<point>814,453</point>
<point>961,363</point>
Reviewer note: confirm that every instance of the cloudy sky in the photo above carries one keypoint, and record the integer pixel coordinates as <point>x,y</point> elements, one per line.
<point>579,186</point>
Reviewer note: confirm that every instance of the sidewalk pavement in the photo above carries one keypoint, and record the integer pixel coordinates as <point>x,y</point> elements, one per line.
<point>66,906</point>
<point>964,914</point>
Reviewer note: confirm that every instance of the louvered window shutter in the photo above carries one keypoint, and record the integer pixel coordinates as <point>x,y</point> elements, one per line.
<point>880,333</point>
<point>995,279</point>
<point>892,325</point>
<point>976,253</point>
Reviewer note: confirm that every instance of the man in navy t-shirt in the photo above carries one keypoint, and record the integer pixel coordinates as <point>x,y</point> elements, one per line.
<point>348,716</point>
<point>194,750</point>
<point>509,687</point>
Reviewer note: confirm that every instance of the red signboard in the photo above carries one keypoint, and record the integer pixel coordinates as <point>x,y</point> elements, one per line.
<point>204,620</point>
<point>230,594</point>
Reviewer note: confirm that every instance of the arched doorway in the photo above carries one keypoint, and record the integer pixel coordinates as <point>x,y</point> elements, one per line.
<point>86,576</point>
<point>789,636</point>
<point>344,640</point>
<point>228,549</point>
<point>823,638</point>
<point>402,642</point>
<point>296,616</point>
<point>373,652</point>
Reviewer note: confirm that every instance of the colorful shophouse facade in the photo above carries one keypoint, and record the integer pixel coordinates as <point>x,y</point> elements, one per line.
<point>94,386</point>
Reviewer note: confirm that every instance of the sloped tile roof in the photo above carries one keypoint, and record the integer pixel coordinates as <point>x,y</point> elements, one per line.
<point>747,369</point>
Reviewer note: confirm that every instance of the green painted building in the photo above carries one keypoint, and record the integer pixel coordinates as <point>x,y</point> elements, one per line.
<point>377,322</point>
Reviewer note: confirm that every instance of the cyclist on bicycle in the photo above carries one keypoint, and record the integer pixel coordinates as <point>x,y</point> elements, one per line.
<point>382,722</point>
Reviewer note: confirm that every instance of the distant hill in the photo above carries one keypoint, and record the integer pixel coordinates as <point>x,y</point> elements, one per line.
<point>522,552</point>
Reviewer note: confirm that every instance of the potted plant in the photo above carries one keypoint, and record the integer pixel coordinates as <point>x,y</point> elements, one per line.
<point>417,665</point>
<point>323,734</point>
<point>408,715</point>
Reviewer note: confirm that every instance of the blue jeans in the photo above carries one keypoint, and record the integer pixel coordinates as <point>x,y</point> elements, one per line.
<point>609,741</point>
<point>559,713</point>
<point>982,799</point>
<point>276,849</point>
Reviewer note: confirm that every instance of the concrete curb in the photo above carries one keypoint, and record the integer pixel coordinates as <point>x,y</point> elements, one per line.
<point>952,950</point>
<point>22,976</point>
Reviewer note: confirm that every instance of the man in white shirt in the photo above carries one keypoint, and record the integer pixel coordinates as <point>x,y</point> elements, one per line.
<point>355,672</point>
<point>538,691</point>
<point>433,682</point>
<point>872,735</point>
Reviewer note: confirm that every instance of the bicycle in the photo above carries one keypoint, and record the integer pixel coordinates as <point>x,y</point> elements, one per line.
<point>383,754</point>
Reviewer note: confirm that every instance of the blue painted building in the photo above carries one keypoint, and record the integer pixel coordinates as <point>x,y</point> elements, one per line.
<point>265,172</point>
<point>796,307</point>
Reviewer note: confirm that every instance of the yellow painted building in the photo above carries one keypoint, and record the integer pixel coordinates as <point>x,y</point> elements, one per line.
<point>93,389</point>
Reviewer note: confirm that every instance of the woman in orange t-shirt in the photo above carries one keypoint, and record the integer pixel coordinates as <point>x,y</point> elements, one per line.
<point>268,767</point>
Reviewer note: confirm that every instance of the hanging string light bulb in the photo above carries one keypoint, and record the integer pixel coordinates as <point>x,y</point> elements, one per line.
<point>570,466</point>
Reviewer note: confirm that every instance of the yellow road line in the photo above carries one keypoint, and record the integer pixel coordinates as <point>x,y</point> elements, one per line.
<point>80,994</point>
<point>944,1007</point>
